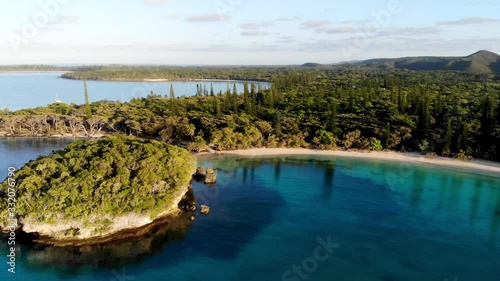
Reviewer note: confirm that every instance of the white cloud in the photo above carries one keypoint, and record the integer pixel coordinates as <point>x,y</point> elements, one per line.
<point>155,2</point>
<point>64,19</point>
<point>315,24</point>
<point>468,21</point>
<point>172,17</point>
<point>207,18</point>
<point>254,33</point>
<point>296,18</point>
<point>254,26</point>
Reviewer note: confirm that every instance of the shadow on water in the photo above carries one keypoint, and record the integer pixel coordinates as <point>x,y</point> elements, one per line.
<point>475,201</point>
<point>418,188</point>
<point>328,182</point>
<point>328,165</point>
<point>71,260</point>
<point>241,207</point>
<point>495,222</point>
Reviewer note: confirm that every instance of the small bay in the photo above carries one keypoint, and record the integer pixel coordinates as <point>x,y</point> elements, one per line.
<point>21,90</point>
<point>387,220</point>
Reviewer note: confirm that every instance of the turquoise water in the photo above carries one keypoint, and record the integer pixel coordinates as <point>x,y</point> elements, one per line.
<point>29,90</point>
<point>381,221</point>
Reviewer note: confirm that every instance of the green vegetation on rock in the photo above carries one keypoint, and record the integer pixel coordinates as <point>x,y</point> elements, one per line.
<point>94,181</point>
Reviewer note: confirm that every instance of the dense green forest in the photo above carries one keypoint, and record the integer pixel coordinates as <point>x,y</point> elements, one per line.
<point>347,107</point>
<point>96,180</point>
<point>117,73</point>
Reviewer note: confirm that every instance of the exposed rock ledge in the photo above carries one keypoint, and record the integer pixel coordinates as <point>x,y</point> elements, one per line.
<point>131,225</point>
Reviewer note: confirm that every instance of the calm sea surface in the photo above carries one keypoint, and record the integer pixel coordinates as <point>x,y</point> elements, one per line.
<point>296,218</point>
<point>29,90</point>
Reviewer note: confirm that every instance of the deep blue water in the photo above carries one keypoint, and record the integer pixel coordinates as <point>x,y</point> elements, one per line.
<point>384,221</point>
<point>30,90</point>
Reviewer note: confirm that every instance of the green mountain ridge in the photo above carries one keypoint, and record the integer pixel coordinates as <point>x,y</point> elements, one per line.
<point>482,62</point>
<point>311,64</point>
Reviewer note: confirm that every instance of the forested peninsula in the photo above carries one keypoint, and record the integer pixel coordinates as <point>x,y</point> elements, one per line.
<point>95,188</point>
<point>175,73</point>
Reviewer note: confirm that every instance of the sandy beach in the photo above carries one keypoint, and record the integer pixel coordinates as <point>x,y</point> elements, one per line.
<point>155,80</point>
<point>195,80</point>
<point>481,166</point>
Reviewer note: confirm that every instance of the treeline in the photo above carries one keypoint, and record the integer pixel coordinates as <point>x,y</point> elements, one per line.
<point>117,73</point>
<point>440,113</point>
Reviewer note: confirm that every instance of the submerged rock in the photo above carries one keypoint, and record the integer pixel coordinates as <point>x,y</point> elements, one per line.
<point>204,209</point>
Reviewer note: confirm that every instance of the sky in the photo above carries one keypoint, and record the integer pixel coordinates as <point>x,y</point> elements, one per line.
<point>241,32</point>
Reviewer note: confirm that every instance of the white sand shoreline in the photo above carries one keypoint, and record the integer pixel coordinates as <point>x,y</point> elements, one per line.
<point>187,80</point>
<point>481,166</point>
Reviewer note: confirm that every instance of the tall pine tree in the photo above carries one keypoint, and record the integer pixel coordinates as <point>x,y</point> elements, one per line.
<point>88,110</point>
<point>172,92</point>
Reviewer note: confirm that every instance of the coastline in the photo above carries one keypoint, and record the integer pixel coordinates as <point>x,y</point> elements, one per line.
<point>34,71</point>
<point>475,165</point>
<point>122,227</point>
<point>167,80</point>
<point>480,166</point>
<point>6,135</point>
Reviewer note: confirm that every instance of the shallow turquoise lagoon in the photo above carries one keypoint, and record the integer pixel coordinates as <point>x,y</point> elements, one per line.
<point>297,218</point>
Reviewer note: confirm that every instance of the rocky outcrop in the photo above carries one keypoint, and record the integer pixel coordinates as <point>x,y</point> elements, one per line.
<point>211,176</point>
<point>77,232</point>
<point>200,173</point>
<point>204,209</point>
<point>95,201</point>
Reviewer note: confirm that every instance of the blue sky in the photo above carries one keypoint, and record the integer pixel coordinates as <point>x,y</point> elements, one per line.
<point>230,32</point>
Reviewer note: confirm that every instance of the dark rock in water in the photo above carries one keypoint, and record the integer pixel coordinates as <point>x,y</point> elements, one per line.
<point>211,176</point>
<point>188,202</point>
<point>188,206</point>
<point>200,173</point>
<point>204,209</point>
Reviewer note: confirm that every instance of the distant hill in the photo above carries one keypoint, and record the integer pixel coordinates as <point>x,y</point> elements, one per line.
<point>311,64</point>
<point>479,63</point>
